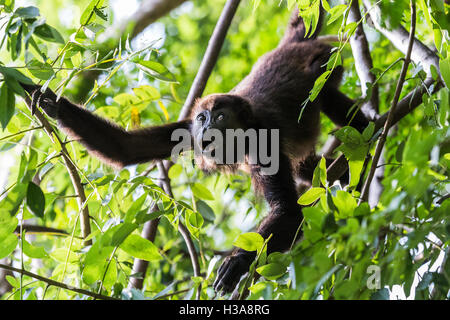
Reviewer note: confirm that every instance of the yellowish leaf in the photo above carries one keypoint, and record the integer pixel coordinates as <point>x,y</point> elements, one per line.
<point>135,118</point>
<point>163,108</point>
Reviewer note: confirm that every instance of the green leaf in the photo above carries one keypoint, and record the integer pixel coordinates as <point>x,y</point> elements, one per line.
<point>194,222</point>
<point>272,271</point>
<point>103,180</point>
<point>143,216</point>
<point>15,283</point>
<point>355,167</point>
<point>349,136</point>
<point>8,224</point>
<point>325,277</point>
<point>313,216</point>
<point>205,210</point>
<point>49,33</point>
<point>101,14</point>
<point>175,171</point>
<point>35,199</point>
<point>27,12</point>
<point>444,65</point>
<point>32,251</point>
<point>311,195</point>
<point>345,203</point>
<point>323,171</point>
<point>310,15</point>
<point>391,13</point>
<point>155,70</point>
<point>147,92</point>
<point>9,243</point>
<point>12,78</point>
<point>318,85</point>
<point>14,198</point>
<point>7,105</point>
<point>250,241</point>
<point>8,239</point>
<point>368,131</point>
<point>126,99</point>
<point>122,233</point>
<point>93,272</point>
<point>336,12</point>
<point>201,192</point>
<point>40,70</point>
<point>140,248</point>
<point>382,294</point>
<point>326,5</point>
<point>88,14</point>
<point>135,207</point>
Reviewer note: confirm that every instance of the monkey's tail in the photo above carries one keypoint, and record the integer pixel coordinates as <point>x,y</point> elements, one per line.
<point>296,31</point>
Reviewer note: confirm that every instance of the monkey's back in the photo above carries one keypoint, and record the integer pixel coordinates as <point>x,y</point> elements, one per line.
<point>278,85</point>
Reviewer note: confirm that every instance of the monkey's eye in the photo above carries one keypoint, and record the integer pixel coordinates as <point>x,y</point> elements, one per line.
<point>201,117</point>
<point>220,117</point>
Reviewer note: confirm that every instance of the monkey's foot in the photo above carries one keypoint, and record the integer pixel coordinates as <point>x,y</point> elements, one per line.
<point>231,271</point>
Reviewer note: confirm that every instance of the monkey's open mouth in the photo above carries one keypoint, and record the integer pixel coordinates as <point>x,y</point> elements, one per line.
<point>208,146</point>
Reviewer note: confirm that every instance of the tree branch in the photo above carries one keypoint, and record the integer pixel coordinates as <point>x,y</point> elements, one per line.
<point>165,181</point>
<point>399,38</point>
<point>398,90</point>
<point>148,12</point>
<point>56,283</point>
<point>72,170</point>
<point>411,101</point>
<point>363,65</point>
<point>210,57</point>
<point>363,60</point>
<point>419,54</point>
<point>208,62</point>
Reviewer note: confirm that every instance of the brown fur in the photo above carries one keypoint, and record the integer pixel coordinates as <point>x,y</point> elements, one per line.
<point>270,97</point>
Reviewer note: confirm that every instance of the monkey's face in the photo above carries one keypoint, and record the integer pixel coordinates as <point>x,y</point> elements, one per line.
<point>214,116</point>
<point>208,125</point>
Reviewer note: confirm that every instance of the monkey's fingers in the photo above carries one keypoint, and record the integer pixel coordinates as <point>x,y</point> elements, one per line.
<point>34,92</point>
<point>230,273</point>
<point>46,100</point>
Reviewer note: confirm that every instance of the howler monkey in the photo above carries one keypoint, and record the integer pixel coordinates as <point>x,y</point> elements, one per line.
<point>270,97</point>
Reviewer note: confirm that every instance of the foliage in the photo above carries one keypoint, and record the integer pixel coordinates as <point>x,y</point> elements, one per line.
<point>406,235</point>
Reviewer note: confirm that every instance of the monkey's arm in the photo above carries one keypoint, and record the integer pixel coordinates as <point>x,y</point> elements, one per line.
<point>282,223</point>
<point>105,139</point>
<point>336,106</point>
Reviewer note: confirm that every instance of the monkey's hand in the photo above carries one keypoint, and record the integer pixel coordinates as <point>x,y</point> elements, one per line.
<point>46,100</point>
<point>232,269</point>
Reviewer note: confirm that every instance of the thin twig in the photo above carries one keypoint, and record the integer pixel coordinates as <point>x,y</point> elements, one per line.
<point>398,90</point>
<point>20,132</point>
<point>56,283</point>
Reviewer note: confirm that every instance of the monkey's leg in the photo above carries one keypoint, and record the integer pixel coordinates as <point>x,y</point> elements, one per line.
<point>282,223</point>
<point>105,139</point>
<point>336,106</point>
